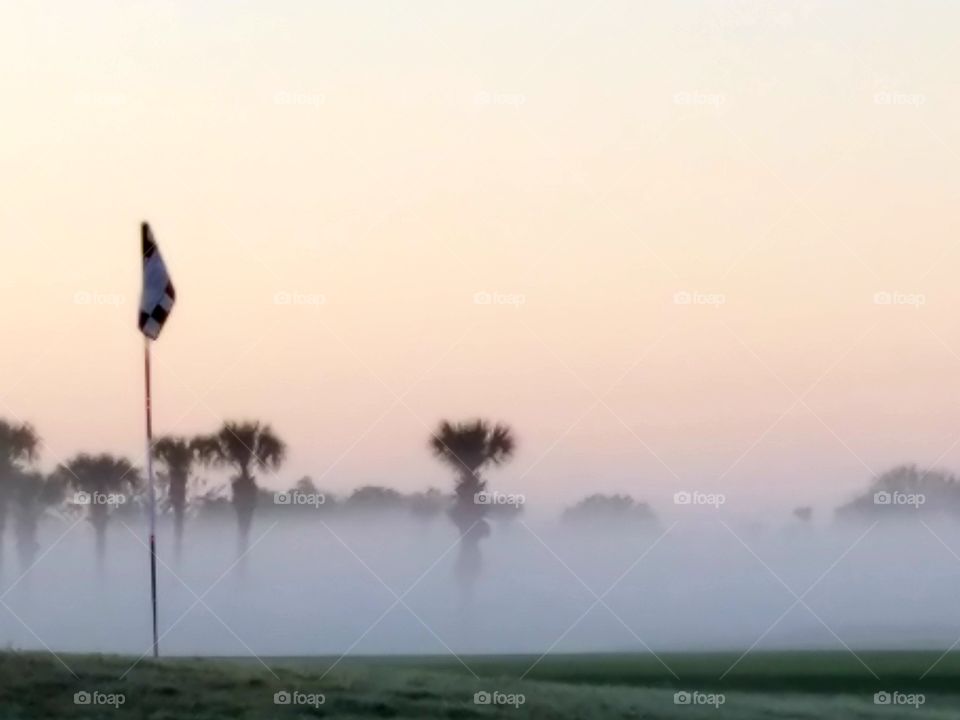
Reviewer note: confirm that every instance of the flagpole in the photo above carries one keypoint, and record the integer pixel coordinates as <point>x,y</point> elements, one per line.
<point>153,495</point>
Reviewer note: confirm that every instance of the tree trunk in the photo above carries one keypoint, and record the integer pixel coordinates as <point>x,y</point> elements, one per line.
<point>245,503</point>
<point>467,514</point>
<point>98,516</point>
<point>469,561</point>
<point>178,533</point>
<point>27,545</point>
<point>100,530</point>
<point>3,522</point>
<point>178,499</point>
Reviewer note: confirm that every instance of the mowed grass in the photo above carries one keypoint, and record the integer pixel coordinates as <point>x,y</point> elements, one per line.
<point>763,686</point>
<point>800,671</point>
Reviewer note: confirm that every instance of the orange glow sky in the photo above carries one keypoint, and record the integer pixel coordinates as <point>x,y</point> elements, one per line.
<point>393,160</point>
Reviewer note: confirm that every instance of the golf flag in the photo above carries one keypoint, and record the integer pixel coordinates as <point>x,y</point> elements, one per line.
<point>158,296</point>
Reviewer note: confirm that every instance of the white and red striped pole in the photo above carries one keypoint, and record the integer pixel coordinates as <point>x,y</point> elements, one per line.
<point>153,496</point>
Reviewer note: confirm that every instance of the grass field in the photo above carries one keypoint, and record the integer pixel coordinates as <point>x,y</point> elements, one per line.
<point>764,685</point>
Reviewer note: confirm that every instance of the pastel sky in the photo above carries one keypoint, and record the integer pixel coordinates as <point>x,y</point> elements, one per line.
<point>333,183</point>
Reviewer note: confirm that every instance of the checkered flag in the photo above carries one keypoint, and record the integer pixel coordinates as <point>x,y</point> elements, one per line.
<point>158,296</point>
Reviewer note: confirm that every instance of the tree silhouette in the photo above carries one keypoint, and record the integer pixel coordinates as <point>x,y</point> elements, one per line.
<point>102,483</point>
<point>34,494</point>
<point>425,506</point>
<point>600,511</point>
<point>905,491</point>
<point>804,514</point>
<point>178,454</point>
<point>374,499</point>
<point>243,446</point>
<point>468,447</point>
<point>18,448</point>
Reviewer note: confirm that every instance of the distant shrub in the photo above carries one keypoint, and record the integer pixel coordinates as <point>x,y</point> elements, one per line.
<point>429,505</point>
<point>618,511</point>
<point>905,491</point>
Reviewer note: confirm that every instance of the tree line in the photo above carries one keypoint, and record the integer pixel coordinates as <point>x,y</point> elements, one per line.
<point>104,485</point>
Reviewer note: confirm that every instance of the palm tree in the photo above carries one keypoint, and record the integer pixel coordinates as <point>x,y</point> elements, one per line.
<point>243,446</point>
<point>35,493</point>
<point>104,481</point>
<point>18,448</point>
<point>468,447</point>
<point>178,455</point>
